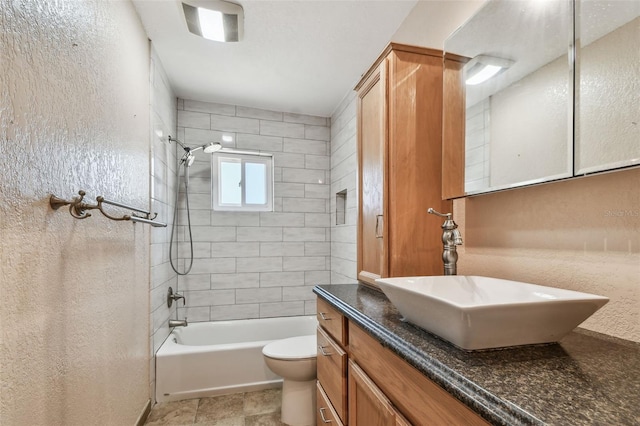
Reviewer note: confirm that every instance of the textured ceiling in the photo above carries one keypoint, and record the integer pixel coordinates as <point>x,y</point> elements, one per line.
<point>297,56</point>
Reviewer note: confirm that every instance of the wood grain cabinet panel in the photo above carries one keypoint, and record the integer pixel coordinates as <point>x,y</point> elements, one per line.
<point>332,321</point>
<point>325,415</point>
<point>453,121</point>
<point>368,406</point>
<point>332,373</point>
<point>400,164</point>
<point>418,398</point>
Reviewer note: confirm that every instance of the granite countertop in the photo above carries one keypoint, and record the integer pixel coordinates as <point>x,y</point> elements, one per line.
<point>586,379</point>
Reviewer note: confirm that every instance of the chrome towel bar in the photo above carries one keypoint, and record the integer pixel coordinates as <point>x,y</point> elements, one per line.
<point>79,209</point>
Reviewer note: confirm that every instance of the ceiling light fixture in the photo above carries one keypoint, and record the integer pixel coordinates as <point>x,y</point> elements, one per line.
<point>214,19</point>
<point>483,67</point>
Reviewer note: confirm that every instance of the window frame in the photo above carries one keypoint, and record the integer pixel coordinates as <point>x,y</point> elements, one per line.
<point>242,157</point>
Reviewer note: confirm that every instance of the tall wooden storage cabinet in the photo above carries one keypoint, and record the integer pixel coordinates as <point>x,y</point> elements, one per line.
<point>399,164</point>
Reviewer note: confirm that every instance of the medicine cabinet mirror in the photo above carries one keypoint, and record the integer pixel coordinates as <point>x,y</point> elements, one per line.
<point>536,108</point>
<point>608,80</point>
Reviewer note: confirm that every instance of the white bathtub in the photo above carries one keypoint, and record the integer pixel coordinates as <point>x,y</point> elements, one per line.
<point>214,358</point>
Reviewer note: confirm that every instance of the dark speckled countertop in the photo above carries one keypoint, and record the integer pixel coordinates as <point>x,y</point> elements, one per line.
<point>586,379</point>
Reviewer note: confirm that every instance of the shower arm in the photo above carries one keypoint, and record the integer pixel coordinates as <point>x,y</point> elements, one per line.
<point>186,148</point>
<point>208,148</point>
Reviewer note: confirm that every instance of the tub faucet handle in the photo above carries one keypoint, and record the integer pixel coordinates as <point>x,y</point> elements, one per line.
<point>172,297</point>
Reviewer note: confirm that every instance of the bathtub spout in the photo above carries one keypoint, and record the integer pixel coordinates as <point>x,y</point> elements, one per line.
<point>178,323</point>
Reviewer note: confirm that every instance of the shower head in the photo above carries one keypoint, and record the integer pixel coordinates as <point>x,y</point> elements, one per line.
<point>211,148</point>
<point>188,158</point>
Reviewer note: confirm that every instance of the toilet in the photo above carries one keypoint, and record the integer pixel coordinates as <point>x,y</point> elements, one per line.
<point>294,359</point>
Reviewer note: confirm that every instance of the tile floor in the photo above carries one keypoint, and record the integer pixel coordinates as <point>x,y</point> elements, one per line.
<point>260,408</point>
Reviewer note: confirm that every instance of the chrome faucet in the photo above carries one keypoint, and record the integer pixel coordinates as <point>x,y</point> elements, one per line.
<point>450,239</point>
<point>178,323</point>
<point>174,297</point>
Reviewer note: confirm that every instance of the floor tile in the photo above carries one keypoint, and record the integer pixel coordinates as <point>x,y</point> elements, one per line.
<point>230,421</point>
<point>219,408</point>
<point>262,402</point>
<point>173,413</point>
<point>272,419</point>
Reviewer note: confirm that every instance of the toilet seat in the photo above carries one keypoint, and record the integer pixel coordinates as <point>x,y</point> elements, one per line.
<point>300,347</point>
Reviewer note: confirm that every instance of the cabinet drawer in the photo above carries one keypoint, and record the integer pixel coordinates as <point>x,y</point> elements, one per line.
<point>421,400</point>
<point>325,415</point>
<point>332,321</point>
<point>332,373</point>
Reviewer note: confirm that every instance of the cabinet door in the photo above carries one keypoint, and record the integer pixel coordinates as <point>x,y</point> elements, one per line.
<point>372,139</point>
<point>415,164</point>
<point>421,400</point>
<point>368,406</point>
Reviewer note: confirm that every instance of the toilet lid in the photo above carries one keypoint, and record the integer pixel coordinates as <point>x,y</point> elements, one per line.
<point>292,348</point>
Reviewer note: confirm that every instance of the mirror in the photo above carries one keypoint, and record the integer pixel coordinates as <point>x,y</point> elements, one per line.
<point>608,94</point>
<point>520,116</point>
<point>519,121</point>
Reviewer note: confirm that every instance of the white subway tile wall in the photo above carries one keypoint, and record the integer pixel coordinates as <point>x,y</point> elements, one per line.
<point>163,183</point>
<point>344,176</point>
<point>477,172</point>
<point>262,264</point>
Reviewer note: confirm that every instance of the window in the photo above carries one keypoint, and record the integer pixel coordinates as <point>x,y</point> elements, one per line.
<point>242,181</point>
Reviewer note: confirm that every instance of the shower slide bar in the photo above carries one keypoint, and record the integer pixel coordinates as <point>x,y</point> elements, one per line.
<point>78,209</point>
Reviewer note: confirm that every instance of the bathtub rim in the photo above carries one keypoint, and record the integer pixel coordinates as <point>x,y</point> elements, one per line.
<point>170,347</point>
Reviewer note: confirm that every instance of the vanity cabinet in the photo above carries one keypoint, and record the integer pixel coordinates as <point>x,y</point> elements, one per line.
<point>362,383</point>
<point>418,398</point>
<point>331,364</point>
<point>368,406</point>
<point>400,164</point>
<point>325,413</point>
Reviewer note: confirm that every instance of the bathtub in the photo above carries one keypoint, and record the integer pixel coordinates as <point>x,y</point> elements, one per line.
<point>214,358</point>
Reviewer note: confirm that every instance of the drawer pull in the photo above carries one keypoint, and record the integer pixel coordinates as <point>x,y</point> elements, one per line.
<point>322,351</point>
<point>325,318</point>
<point>324,419</point>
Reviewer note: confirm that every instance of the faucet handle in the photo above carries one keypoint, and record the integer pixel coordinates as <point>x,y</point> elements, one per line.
<point>445,215</point>
<point>456,237</point>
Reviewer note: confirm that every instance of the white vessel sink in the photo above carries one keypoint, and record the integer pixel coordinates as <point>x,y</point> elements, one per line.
<point>481,313</point>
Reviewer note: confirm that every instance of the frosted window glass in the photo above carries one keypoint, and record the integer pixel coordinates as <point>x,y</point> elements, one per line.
<point>255,175</point>
<point>230,183</point>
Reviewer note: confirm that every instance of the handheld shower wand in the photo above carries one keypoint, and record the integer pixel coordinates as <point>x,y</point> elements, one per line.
<point>187,160</point>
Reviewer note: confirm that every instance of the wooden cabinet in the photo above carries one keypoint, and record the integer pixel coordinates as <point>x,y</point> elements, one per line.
<point>326,414</point>
<point>332,372</point>
<point>331,365</point>
<point>399,163</point>
<point>453,121</point>
<point>332,321</point>
<point>363,383</point>
<point>418,398</point>
<point>368,406</point>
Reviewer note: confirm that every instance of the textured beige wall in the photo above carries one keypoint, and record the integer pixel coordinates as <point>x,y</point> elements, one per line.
<point>75,293</point>
<point>581,234</point>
